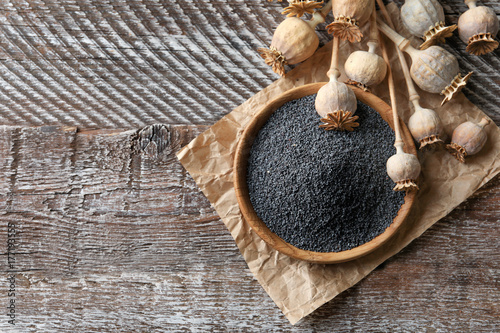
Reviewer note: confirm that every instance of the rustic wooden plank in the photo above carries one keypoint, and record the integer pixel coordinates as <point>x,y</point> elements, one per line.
<point>77,183</point>
<point>5,162</point>
<point>113,235</point>
<point>124,63</point>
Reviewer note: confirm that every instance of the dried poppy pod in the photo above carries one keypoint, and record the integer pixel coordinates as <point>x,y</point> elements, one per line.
<point>468,139</point>
<point>349,15</point>
<point>425,126</point>
<point>300,7</point>
<point>336,104</point>
<point>477,27</point>
<point>294,41</point>
<point>403,169</point>
<point>434,69</point>
<point>335,101</point>
<point>425,19</point>
<point>366,68</point>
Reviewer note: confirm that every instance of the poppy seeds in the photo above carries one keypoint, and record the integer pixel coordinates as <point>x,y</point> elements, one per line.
<point>323,191</point>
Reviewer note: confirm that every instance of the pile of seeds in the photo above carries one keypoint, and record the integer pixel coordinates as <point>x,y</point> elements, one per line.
<point>323,191</point>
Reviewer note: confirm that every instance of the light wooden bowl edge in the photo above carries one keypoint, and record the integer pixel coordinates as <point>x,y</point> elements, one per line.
<point>249,214</point>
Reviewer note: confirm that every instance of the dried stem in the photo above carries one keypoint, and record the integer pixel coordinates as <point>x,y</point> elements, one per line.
<point>373,26</point>
<point>334,72</point>
<point>471,3</point>
<point>485,121</point>
<point>326,8</point>
<point>412,92</point>
<point>402,43</point>
<point>398,142</point>
<point>385,13</point>
<point>320,15</point>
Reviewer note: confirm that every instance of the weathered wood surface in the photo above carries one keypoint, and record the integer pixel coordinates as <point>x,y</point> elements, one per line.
<point>125,63</point>
<point>112,233</point>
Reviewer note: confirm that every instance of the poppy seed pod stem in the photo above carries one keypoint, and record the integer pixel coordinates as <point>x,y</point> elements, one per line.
<point>424,125</point>
<point>374,35</point>
<point>471,3</point>
<point>402,168</point>
<point>367,68</point>
<point>319,16</point>
<point>326,8</point>
<point>334,73</point>
<point>484,122</point>
<point>434,69</point>
<point>402,43</point>
<point>413,95</point>
<point>398,142</point>
<point>372,46</point>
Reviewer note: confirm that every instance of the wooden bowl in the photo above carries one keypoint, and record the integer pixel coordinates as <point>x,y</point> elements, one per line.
<point>249,214</point>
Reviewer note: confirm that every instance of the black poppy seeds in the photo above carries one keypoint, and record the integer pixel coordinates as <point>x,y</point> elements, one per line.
<point>318,190</point>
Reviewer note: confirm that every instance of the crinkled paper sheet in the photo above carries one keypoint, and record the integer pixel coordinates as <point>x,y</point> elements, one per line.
<point>297,287</point>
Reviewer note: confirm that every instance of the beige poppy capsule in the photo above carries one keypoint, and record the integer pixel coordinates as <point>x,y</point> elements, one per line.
<point>425,126</point>
<point>477,27</point>
<point>349,16</point>
<point>294,41</point>
<point>425,19</point>
<point>403,169</point>
<point>468,139</point>
<point>366,68</point>
<point>335,96</point>
<point>335,101</point>
<point>434,69</point>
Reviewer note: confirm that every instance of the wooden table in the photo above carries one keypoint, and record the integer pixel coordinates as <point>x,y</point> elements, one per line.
<point>112,235</point>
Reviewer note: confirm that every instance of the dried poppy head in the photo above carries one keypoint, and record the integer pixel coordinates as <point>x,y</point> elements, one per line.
<point>365,68</point>
<point>434,69</point>
<point>336,104</point>
<point>478,27</point>
<point>349,15</point>
<point>468,139</point>
<point>425,19</point>
<point>425,126</point>
<point>403,169</point>
<point>294,41</point>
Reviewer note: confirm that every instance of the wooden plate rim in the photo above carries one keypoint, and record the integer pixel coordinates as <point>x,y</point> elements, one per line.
<point>248,212</point>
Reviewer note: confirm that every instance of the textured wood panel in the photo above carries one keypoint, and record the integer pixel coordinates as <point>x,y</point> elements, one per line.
<point>125,63</point>
<point>114,236</point>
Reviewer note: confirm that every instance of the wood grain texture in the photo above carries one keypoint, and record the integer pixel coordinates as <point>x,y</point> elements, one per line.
<point>127,63</point>
<point>114,236</point>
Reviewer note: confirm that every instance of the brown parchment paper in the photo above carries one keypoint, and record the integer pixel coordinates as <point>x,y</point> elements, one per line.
<point>297,287</point>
